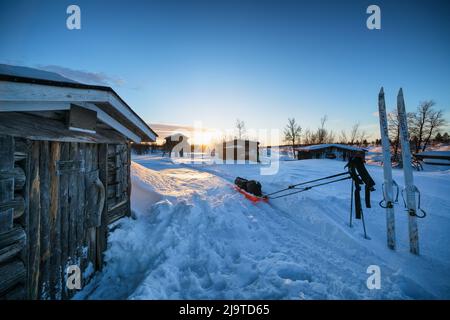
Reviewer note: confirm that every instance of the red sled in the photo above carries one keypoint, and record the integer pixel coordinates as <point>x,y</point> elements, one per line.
<point>250,196</point>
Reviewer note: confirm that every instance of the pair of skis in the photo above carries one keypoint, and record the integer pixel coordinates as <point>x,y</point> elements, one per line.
<point>407,172</point>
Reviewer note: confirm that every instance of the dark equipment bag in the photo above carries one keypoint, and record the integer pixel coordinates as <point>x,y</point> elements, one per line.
<point>250,186</point>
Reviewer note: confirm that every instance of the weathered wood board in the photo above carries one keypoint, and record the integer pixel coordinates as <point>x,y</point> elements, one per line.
<point>50,192</point>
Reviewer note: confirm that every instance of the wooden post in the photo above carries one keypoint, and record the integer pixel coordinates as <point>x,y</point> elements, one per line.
<point>34,224</point>
<point>55,222</point>
<point>74,206</point>
<point>235,151</point>
<point>44,173</point>
<point>81,213</point>
<point>247,151</point>
<point>224,152</point>
<point>64,213</point>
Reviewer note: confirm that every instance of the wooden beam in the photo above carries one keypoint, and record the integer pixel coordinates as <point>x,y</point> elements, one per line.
<point>114,101</point>
<point>28,106</point>
<point>82,119</point>
<point>33,127</point>
<point>16,244</point>
<point>11,274</point>
<point>113,123</point>
<point>13,91</point>
<point>14,236</point>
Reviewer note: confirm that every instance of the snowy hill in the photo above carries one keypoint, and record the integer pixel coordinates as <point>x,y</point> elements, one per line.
<point>194,237</point>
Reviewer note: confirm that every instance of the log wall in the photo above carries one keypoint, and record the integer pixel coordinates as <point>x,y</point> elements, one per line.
<point>13,237</point>
<point>49,211</point>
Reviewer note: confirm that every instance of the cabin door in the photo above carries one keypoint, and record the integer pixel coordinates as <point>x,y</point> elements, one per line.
<point>118,183</point>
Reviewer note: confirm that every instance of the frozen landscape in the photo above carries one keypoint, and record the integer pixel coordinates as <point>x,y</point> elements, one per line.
<point>194,237</point>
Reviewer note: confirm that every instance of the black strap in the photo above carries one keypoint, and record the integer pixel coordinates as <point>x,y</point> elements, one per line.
<point>358,208</point>
<point>367,196</point>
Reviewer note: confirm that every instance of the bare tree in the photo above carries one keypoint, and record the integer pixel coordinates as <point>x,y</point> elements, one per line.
<point>330,137</point>
<point>434,123</point>
<point>240,127</point>
<point>354,133</point>
<point>362,136</point>
<point>321,131</point>
<point>424,123</point>
<point>307,137</point>
<point>343,137</point>
<point>292,133</point>
<point>418,123</point>
<point>394,134</point>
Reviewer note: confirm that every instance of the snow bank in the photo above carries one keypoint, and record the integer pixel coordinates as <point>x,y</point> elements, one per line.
<point>194,237</point>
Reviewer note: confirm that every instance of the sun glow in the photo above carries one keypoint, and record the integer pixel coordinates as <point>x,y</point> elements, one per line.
<point>203,136</point>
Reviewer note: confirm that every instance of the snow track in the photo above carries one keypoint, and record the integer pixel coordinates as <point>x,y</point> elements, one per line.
<point>194,237</point>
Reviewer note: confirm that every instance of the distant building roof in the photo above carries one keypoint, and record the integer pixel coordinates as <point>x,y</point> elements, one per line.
<point>434,153</point>
<point>329,145</point>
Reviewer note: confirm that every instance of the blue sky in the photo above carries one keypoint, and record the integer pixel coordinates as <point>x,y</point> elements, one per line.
<point>260,61</point>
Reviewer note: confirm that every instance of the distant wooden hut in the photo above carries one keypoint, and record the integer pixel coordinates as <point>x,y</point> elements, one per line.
<point>239,150</point>
<point>436,158</point>
<point>329,151</point>
<point>64,178</point>
<point>176,143</point>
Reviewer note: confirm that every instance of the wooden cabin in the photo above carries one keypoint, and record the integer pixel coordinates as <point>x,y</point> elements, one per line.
<point>239,150</point>
<point>435,158</point>
<point>329,151</point>
<point>176,143</point>
<point>64,179</point>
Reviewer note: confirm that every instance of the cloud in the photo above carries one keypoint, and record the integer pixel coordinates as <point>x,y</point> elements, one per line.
<point>375,114</point>
<point>96,78</point>
<point>164,130</point>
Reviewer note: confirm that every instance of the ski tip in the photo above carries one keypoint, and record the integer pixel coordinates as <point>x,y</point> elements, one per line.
<point>381,92</point>
<point>400,92</point>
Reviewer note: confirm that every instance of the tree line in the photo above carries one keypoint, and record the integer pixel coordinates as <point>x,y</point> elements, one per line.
<point>425,127</point>
<point>294,135</point>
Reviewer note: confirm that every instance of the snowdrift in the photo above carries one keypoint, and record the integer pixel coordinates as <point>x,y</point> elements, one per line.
<point>194,237</point>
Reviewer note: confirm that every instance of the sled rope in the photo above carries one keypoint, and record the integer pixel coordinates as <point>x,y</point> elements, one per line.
<point>305,188</point>
<point>294,186</point>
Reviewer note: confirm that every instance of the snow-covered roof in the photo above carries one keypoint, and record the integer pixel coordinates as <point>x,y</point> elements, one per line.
<point>26,72</point>
<point>32,90</point>
<point>328,145</point>
<point>435,153</point>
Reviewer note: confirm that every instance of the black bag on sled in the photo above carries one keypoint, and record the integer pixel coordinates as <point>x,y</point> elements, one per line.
<point>251,186</point>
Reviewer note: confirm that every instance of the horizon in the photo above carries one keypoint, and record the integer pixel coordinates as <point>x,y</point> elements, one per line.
<point>213,62</point>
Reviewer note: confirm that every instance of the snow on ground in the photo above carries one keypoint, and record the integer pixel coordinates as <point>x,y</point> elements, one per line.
<point>194,237</point>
